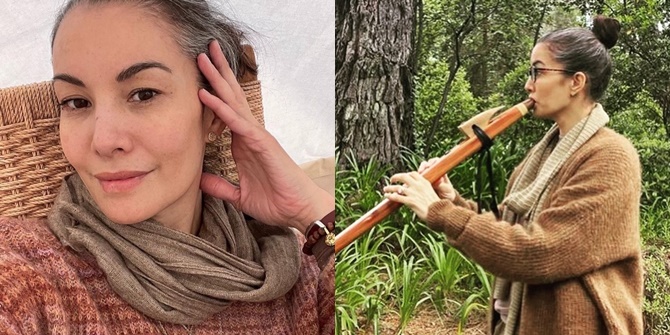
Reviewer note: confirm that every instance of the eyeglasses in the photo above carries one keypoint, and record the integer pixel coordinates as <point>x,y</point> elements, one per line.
<point>533,71</point>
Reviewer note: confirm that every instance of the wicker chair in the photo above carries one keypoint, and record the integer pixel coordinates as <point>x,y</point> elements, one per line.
<point>32,163</point>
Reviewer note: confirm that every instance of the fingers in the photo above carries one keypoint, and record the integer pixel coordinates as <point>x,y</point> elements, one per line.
<point>395,197</point>
<point>220,188</point>
<point>218,73</point>
<point>219,84</point>
<point>406,177</point>
<point>221,63</point>
<point>399,189</point>
<point>409,181</point>
<point>425,165</point>
<point>416,193</point>
<point>397,193</point>
<point>237,123</point>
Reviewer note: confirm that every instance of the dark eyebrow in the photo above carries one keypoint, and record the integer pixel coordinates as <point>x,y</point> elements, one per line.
<point>70,79</point>
<point>537,62</point>
<point>136,68</point>
<point>124,75</point>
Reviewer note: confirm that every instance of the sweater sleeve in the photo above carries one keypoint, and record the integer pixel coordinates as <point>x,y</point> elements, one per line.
<point>591,220</point>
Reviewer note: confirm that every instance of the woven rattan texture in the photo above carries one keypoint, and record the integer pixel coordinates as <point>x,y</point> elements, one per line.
<point>32,164</point>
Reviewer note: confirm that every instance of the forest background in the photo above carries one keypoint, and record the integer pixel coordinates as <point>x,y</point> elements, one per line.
<point>408,72</point>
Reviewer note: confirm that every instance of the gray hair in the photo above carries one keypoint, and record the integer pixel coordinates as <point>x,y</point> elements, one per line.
<point>583,50</point>
<point>194,24</point>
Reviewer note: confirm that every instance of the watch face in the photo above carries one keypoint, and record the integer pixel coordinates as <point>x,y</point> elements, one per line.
<point>330,239</point>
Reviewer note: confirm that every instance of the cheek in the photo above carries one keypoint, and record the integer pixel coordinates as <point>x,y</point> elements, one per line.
<point>178,140</point>
<point>73,143</point>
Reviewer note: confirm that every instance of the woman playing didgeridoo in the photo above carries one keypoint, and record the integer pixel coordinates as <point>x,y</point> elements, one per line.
<point>566,254</point>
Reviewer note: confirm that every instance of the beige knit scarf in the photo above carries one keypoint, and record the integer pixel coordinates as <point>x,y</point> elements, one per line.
<point>176,277</point>
<point>527,195</point>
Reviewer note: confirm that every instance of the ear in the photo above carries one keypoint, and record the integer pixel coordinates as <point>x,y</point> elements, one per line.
<point>211,123</point>
<point>578,83</point>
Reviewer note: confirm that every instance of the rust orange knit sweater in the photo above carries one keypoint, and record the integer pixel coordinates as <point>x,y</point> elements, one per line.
<point>580,260</point>
<point>48,289</point>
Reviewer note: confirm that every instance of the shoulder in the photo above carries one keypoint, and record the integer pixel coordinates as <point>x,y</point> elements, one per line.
<point>30,241</point>
<point>607,138</point>
<point>34,267</point>
<point>609,149</point>
<point>25,240</point>
<point>28,248</point>
<point>606,161</point>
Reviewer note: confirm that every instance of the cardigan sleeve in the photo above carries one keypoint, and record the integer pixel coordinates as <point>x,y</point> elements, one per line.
<point>590,220</point>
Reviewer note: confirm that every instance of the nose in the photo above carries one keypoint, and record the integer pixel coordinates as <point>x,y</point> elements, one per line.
<point>111,134</point>
<point>529,86</point>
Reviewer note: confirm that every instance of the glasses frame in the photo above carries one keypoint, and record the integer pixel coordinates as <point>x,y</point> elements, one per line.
<point>532,72</point>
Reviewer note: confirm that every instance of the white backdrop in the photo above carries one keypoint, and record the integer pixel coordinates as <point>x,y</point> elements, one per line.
<point>295,49</point>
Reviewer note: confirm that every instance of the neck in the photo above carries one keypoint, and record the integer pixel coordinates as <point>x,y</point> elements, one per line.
<point>185,218</point>
<point>573,114</point>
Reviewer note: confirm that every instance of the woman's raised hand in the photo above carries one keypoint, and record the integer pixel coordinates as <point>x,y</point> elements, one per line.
<point>272,187</point>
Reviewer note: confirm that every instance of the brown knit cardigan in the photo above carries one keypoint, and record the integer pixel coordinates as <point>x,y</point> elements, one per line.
<point>47,288</point>
<point>581,259</point>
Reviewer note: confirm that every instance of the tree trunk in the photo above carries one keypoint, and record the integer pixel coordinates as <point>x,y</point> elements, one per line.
<point>373,78</point>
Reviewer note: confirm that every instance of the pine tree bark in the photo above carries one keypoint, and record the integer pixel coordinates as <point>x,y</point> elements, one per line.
<point>373,78</point>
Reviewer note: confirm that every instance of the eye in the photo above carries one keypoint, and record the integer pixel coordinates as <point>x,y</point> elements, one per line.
<point>74,104</point>
<point>143,94</point>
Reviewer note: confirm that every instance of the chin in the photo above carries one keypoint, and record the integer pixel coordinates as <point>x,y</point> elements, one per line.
<point>124,211</point>
<point>540,113</point>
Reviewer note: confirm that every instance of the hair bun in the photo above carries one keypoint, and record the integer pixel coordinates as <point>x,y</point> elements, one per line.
<point>606,30</point>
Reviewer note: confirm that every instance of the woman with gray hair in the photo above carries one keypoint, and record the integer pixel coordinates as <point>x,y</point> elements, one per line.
<point>566,252</point>
<point>140,240</point>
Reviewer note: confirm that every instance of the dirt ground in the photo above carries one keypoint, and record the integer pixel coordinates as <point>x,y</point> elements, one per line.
<point>428,322</point>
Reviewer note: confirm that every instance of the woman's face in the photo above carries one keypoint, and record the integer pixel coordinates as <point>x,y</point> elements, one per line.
<point>551,89</point>
<point>131,121</point>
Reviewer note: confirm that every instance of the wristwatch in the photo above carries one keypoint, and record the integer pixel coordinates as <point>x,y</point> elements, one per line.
<point>317,230</point>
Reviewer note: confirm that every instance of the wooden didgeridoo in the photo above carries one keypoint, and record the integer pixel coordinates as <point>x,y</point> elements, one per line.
<point>457,155</point>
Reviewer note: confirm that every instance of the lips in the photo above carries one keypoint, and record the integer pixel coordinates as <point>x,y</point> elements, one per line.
<point>122,181</point>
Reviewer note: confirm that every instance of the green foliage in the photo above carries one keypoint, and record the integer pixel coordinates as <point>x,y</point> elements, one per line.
<point>459,105</point>
<point>651,142</point>
<point>657,290</point>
